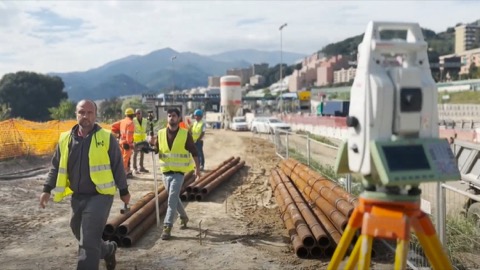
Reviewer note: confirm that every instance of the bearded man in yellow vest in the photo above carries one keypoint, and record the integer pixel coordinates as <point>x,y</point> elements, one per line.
<point>139,135</point>
<point>198,131</point>
<point>87,164</point>
<point>175,149</point>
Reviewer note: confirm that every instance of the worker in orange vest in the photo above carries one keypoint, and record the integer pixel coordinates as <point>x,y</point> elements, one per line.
<point>184,124</point>
<point>127,128</point>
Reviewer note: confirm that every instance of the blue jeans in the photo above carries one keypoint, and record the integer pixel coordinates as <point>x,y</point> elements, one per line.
<point>201,157</point>
<point>173,184</point>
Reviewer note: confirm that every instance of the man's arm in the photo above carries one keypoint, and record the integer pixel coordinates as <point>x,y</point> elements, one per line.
<point>203,132</point>
<point>51,180</point>
<point>116,164</point>
<point>190,146</point>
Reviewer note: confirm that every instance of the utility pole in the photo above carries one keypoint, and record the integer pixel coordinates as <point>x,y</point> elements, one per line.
<point>281,64</point>
<point>173,77</point>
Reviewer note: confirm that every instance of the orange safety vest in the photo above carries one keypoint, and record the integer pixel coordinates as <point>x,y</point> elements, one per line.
<point>183,125</point>
<point>127,128</point>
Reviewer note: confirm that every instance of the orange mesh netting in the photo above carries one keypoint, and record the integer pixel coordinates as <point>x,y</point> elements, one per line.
<point>21,137</point>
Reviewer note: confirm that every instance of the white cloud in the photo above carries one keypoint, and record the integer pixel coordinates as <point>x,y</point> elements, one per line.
<point>114,29</point>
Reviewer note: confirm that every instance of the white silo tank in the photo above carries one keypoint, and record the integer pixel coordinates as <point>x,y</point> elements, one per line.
<point>230,97</point>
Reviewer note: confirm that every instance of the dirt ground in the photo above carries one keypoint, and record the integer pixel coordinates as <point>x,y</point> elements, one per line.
<point>243,229</point>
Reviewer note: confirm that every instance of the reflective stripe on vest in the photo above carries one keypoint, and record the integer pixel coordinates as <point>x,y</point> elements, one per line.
<point>140,133</point>
<point>177,159</point>
<point>197,130</point>
<point>99,163</point>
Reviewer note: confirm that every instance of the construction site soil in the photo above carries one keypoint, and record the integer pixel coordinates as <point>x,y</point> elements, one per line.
<point>240,222</point>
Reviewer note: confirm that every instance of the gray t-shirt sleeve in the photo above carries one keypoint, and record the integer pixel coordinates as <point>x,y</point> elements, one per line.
<point>51,180</point>
<point>116,163</point>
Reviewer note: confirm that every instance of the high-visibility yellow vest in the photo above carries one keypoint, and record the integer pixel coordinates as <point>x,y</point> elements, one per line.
<point>99,162</point>
<point>177,159</point>
<point>197,130</point>
<point>140,133</point>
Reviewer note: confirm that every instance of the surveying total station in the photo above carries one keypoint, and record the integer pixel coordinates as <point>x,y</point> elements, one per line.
<point>393,145</point>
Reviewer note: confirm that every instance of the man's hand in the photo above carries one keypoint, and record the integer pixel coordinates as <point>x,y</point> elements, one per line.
<point>125,198</point>
<point>44,197</point>
<point>197,174</point>
<point>153,140</point>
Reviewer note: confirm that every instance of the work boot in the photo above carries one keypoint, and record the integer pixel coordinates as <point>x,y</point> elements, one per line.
<point>167,232</point>
<point>110,260</point>
<point>183,222</point>
<point>136,171</point>
<point>129,175</point>
<point>144,170</point>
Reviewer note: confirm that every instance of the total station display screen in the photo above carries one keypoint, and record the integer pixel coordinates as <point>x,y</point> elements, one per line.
<point>405,158</point>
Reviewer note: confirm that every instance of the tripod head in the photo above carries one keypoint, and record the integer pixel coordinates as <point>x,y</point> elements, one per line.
<point>393,120</point>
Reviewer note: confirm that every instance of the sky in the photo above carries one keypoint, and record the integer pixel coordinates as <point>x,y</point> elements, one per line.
<point>66,36</point>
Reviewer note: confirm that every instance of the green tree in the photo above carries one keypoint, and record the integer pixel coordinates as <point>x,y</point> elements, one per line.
<point>30,94</point>
<point>4,112</point>
<point>134,103</point>
<point>64,111</point>
<point>110,110</point>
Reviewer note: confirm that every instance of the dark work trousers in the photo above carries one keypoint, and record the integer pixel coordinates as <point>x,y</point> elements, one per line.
<point>135,153</point>
<point>201,157</point>
<point>90,214</point>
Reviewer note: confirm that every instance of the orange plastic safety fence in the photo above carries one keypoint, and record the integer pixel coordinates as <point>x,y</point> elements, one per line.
<point>22,138</point>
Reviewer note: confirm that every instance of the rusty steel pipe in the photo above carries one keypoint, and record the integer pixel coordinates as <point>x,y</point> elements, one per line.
<point>328,226</point>
<point>316,251</point>
<point>301,226</point>
<point>332,185</point>
<point>295,235</point>
<point>333,205</point>
<point>318,232</point>
<point>129,224</point>
<point>338,219</point>
<point>220,179</point>
<point>198,186</point>
<point>320,185</point>
<point>225,175</point>
<point>300,250</point>
<point>114,222</point>
<point>141,214</point>
<point>293,164</point>
<point>140,229</point>
<point>117,239</point>
<point>190,187</point>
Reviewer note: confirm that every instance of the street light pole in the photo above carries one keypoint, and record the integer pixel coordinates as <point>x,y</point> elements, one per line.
<point>173,76</point>
<point>281,64</point>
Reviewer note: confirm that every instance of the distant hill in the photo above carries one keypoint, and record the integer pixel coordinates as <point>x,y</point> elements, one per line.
<point>256,56</point>
<point>440,44</point>
<point>155,72</point>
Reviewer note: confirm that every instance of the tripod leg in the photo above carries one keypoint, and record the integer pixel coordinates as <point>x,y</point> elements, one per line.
<point>365,252</point>
<point>353,260</point>
<point>431,245</point>
<point>401,254</point>
<point>353,225</point>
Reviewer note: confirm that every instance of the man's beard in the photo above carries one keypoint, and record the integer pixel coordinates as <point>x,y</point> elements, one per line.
<point>173,124</point>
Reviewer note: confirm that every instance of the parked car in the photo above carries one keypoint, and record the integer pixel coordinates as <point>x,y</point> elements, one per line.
<point>239,123</point>
<point>268,125</point>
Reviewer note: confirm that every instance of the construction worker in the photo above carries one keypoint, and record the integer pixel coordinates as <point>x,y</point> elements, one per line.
<point>140,135</point>
<point>183,124</point>
<point>88,164</point>
<point>198,131</point>
<point>127,129</point>
<point>176,149</point>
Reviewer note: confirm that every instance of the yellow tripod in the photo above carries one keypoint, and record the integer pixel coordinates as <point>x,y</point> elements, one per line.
<point>389,220</point>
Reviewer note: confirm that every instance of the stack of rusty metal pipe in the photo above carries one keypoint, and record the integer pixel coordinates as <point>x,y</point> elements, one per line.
<point>314,209</point>
<point>199,189</point>
<point>127,228</point>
